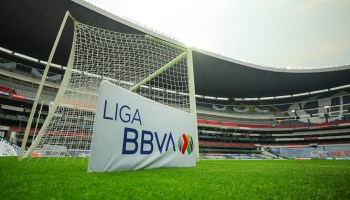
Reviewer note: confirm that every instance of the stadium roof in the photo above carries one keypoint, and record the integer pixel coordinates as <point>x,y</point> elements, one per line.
<point>30,27</point>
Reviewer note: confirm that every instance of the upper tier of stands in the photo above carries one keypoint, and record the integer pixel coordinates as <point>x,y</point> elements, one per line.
<point>35,72</point>
<point>328,107</point>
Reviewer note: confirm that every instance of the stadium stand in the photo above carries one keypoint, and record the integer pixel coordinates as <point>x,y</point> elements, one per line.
<point>317,119</point>
<point>237,130</point>
<point>291,108</point>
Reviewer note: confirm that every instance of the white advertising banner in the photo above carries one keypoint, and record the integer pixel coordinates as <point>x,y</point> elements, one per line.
<point>6,149</point>
<point>132,132</point>
<point>4,128</point>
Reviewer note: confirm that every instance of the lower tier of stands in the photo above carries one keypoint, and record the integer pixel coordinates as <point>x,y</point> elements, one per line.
<point>320,152</point>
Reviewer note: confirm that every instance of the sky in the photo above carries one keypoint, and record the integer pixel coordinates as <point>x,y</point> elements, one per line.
<point>282,33</point>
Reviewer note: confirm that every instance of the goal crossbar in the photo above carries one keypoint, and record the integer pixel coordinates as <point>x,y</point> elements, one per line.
<point>159,71</point>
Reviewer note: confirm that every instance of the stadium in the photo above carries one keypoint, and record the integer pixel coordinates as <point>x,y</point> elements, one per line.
<point>263,132</point>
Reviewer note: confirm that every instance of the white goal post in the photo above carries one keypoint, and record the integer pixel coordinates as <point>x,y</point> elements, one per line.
<point>148,66</point>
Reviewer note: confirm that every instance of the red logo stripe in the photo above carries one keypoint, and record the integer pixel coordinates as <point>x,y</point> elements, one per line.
<point>184,147</point>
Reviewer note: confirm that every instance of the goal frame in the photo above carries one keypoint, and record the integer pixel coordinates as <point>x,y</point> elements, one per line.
<point>187,54</point>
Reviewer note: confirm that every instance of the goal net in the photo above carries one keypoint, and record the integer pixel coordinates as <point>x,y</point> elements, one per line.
<point>148,66</point>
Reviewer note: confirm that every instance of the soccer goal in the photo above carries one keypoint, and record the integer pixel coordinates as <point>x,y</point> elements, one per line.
<point>146,65</point>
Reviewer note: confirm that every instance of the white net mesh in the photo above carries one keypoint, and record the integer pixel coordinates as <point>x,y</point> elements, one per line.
<point>123,59</point>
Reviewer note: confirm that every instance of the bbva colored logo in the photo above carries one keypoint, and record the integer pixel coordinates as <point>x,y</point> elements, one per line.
<point>185,144</point>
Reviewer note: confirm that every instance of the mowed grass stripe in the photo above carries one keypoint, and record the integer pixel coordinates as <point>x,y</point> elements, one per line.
<point>211,179</point>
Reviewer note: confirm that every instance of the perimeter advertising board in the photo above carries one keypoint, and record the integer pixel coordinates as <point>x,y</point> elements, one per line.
<point>132,132</point>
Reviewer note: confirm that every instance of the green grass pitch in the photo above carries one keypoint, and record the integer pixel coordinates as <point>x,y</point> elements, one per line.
<point>210,179</point>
